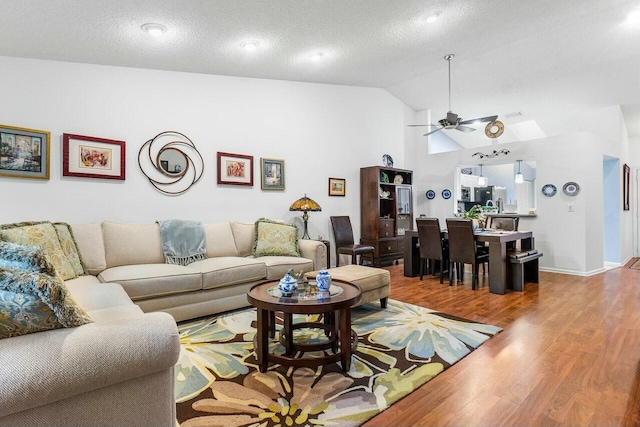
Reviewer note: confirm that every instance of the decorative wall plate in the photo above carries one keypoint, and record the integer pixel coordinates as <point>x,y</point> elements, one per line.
<point>494,129</point>
<point>387,161</point>
<point>431,194</point>
<point>571,189</point>
<point>446,194</point>
<point>549,190</point>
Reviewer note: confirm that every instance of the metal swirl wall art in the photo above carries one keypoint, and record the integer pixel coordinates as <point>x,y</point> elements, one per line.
<point>171,162</point>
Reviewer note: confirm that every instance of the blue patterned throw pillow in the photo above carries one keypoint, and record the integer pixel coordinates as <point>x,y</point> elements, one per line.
<point>15,256</point>
<point>33,302</point>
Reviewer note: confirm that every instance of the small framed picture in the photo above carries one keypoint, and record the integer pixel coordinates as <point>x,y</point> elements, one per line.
<point>91,157</point>
<point>337,186</point>
<point>235,169</point>
<point>24,153</point>
<point>272,174</point>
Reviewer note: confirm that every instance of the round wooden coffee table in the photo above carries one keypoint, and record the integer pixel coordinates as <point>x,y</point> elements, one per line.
<point>335,306</point>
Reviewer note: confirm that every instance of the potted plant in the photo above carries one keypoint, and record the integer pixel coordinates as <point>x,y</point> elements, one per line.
<point>475,213</point>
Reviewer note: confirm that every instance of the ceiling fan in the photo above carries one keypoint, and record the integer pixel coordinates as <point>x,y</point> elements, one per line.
<point>452,121</point>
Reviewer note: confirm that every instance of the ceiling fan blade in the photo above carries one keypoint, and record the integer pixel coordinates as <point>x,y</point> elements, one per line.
<point>420,125</point>
<point>433,131</point>
<point>465,129</point>
<point>480,120</point>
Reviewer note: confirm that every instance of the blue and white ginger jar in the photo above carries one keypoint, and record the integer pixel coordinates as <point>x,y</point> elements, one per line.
<point>288,284</point>
<point>323,280</point>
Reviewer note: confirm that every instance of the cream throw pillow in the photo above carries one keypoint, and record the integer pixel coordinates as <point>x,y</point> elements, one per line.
<point>276,238</point>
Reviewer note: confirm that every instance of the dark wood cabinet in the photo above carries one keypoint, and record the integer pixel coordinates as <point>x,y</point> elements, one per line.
<point>386,210</point>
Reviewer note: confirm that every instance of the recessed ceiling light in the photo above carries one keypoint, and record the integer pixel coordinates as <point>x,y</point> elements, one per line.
<point>433,17</point>
<point>154,30</point>
<point>317,56</point>
<point>250,44</point>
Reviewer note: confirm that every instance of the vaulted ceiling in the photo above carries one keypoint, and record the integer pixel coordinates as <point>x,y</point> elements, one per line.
<point>540,61</point>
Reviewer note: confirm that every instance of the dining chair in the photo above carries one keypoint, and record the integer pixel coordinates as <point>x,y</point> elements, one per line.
<point>343,236</point>
<point>463,248</point>
<point>432,245</point>
<point>507,223</point>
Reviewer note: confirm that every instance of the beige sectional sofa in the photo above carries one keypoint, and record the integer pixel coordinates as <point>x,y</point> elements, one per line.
<point>119,370</point>
<point>131,255</point>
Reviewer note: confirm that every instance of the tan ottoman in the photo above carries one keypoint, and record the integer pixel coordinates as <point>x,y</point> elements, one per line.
<point>374,283</point>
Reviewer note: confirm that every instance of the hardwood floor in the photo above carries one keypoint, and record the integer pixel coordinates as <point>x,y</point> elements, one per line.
<point>569,354</point>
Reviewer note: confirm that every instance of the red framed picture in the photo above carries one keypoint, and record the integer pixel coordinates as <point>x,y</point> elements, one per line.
<point>235,169</point>
<point>91,157</point>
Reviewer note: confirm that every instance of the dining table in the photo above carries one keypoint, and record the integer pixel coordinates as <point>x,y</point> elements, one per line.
<point>498,241</point>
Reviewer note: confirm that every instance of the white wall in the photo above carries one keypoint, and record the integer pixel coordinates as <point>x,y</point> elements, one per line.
<point>571,241</point>
<point>321,131</point>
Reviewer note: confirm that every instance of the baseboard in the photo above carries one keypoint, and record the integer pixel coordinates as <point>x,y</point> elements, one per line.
<point>573,272</point>
<point>612,265</point>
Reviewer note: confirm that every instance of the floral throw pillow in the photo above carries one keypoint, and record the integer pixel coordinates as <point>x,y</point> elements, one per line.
<point>275,238</point>
<point>33,302</point>
<point>69,247</point>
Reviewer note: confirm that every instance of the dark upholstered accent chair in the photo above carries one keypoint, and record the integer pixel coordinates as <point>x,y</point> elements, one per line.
<point>343,235</point>
<point>507,223</point>
<point>432,245</point>
<point>463,248</point>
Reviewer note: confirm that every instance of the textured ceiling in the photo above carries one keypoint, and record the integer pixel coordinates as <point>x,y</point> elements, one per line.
<point>547,59</point>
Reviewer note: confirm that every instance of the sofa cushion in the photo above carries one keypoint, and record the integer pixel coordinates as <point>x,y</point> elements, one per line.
<point>131,244</point>
<point>97,295</point>
<point>277,266</point>
<point>33,302</point>
<point>245,236</point>
<point>225,271</point>
<point>90,244</point>
<point>69,247</point>
<point>152,280</point>
<point>118,312</point>
<point>15,256</point>
<point>220,241</point>
<point>275,238</point>
<point>42,234</point>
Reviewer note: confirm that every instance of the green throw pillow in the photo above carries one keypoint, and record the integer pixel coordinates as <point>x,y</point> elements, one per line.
<point>42,234</point>
<point>69,247</point>
<point>26,258</point>
<point>33,302</point>
<point>275,238</point>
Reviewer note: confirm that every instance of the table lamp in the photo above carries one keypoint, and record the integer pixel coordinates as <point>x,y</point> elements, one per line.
<point>305,205</point>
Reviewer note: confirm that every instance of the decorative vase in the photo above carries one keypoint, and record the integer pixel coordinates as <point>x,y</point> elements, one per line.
<point>287,284</point>
<point>323,280</point>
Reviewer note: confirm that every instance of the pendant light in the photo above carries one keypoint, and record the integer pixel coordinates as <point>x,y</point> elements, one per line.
<point>519,176</point>
<point>482,181</point>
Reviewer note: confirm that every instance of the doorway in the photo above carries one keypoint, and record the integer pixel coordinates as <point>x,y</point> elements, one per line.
<point>611,203</point>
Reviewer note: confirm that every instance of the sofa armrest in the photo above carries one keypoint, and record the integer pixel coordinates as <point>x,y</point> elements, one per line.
<point>316,251</point>
<point>45,367</point>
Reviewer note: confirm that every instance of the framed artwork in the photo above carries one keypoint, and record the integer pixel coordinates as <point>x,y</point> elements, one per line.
<point>91,157</point>
<point>272,176</point>
<point>235,169</point>
<point>337,186</point>
<point>24,153</point>
<point>626,178</point>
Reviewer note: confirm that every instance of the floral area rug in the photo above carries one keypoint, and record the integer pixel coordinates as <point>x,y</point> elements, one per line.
<point>399,349</point>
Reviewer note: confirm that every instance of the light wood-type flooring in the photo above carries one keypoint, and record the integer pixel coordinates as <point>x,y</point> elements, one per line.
<point>569,354</point>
